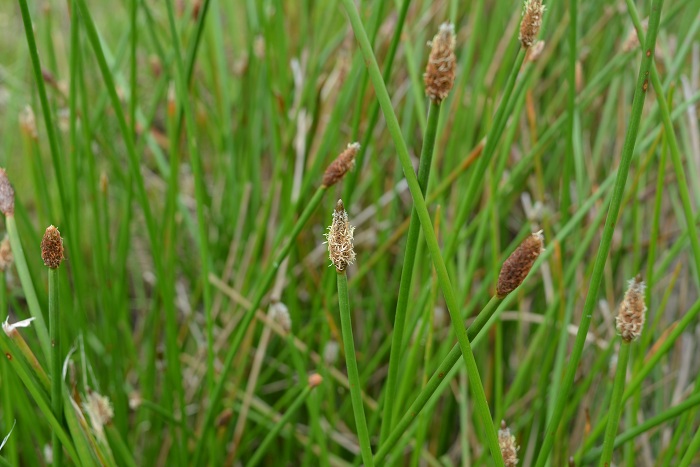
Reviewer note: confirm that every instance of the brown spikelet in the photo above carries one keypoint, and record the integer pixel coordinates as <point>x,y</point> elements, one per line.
<point>516,268</point>
<point>439,74</point>
<point>630,316</point>
<point>509,448</point>
<point>7,194</point>
<point>6,258</point>
<point>341,165</point>
<point>339,239</point>
<point>52,247</point>
<point>531,22</point>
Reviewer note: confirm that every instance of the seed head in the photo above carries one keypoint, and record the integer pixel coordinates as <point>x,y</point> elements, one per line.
<point>7,194</point>
<point>341,165</point>
<point>509,448</point>
<point>52,247</point>
<point>339,239</point>
<point>516,268</point>
<point>630,317</point>
<point>531,22</point>
<point>439,74</point>
<point>6,258</point>
<point>27,122</point>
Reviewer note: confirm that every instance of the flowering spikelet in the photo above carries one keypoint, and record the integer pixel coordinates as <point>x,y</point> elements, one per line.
<point>52,247</point>
<point>439,74</point>
<point>516,268</point>
<point>7,194</point>
<point>509,449</point>
<point>99,409</point>
<point>531,22</point>
<point>315,379</point>
<point>630,317</point>
<point>339,239</point>
<point>341,165</point>
<point>6,258</point>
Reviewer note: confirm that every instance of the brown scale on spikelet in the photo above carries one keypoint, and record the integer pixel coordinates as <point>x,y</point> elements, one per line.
<point>439,74</point>
<point>630,317</point>
<point>52,247</point>
<point>516,268</point>
<point>339,239</point>
<point>509,448</point>
<point>7,194</point>
<point>341,165</point>
<point>531,22</point>
<point>6,258</point>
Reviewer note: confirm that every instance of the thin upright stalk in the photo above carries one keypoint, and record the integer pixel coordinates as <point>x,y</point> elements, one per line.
<point>690,452</point>
<point>353,374</point>
<point>28,286</point>
<point>394,128</point>
<point>606,239</point>
<point>248,318</point>
<point>407,272</point>
<point>435,380</point>
<point>615,404</point>
<point>272,434</point>
<point>56,378</point>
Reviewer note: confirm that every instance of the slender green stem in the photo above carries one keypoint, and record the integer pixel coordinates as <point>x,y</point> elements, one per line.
<point>45,106</point>
<point>426,224</point>
<point>28,286</point>
<point>692,449</point>
<point>353,375</point>
<point>615,404</point>
<point>435,380</point>
<point>676,157</point>
<point>407,273</point>
<point>492,139</point>
<point>272,434</point>
<point>648,424</point>
<point>242,327</point>
<point>56,378</point>
<point>606,240</point>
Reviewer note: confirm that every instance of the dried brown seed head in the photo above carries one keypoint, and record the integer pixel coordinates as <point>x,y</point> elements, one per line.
<point>339,239</point>
<point>315,379</point>
<point>6,258</point>
<point>439,74</point>
<point>341,165</point>
<point>531,22</point>
<point>99,409</point>
<point>509,448</point>
<point>7,194</point>
<point>52,247</point>
<point>630,316</point>
<point>516,268</point>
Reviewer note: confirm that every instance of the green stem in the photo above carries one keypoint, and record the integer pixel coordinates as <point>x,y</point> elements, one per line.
<point>499,123</point>
<point>56,379</point>
<point>242,327</point>
<point>606,240</point>
<point>648,424</point>
<point>435,380</point>
<point>616,404</point>
<point>407,273</point>
<point>28,286</point>
<point>673,145</point>
<point>353,375</point>
<point>692,449</point>
<point>394,128</point>
<point>272,434</point>
<point>45,106</point>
